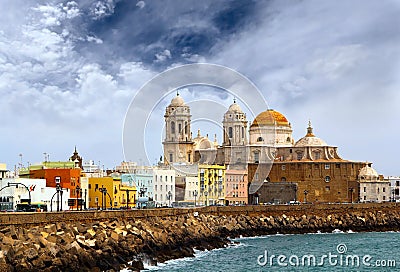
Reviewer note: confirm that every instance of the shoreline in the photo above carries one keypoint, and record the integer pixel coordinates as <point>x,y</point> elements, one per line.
<point>122,242</point>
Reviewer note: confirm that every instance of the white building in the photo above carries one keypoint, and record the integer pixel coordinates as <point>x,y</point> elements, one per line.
<point>164,186</point>
<point>19,190</point>
<point>92,170</point>
<point>394,187</point>
<point>373,188</point>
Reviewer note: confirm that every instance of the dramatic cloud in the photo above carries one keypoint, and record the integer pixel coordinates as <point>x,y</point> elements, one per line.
<point>69,69</point>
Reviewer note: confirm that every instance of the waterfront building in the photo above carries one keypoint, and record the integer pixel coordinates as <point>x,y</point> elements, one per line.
<point>211,179</point>
<point>268,150</point>
<point>319,172</point>
<point>23,190</point>
<point>59,174</point>
<point>108,192</point>
<point>164,186</point>
<point>142,178</point>
<point>373,187</point>
<point>394,188</point>
<point>236,185</point>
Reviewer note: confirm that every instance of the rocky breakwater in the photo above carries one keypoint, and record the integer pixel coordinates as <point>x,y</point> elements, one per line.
<point>125,243</point>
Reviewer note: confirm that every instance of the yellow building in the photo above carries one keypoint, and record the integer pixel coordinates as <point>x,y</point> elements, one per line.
<point>108,192</point>
<point>211,184</point>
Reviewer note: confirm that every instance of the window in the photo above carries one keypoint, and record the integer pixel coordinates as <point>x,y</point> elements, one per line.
<point>317,155</point>
<point>155,187</point>
<point>90,186</point>
<point>327,167</point>
<point>288,139</point>
<point>378,190</point>
<point>186,128</point>
<point>242,132</point>
<point>189,157</point>
<point>337,165</point>
<point>256,157</point>
<point>327,179</point>
<point>283,179</point>
<point>96,186</point>
<point>256,177</point>
<point>383,189</point>
<point>171,158</point>
<point>179,128</point>
<point>283,166</point>
<point>230,132</point>
<point>327,188</point>
<point>397,183</point>
<point>172,127</point>
<point>260,139</point>
<point>96,200</point>
<point>365,197</point>
<point>384,197</point>
<point>299,156</point>
<point>365,189</point>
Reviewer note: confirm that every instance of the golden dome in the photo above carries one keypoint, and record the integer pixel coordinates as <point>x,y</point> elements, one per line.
<point>270,117</point>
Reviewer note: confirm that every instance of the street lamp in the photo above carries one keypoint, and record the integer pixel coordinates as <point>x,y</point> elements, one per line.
<point>78,191</point>
<point>205,194</point>
<point>103,197</point>
<point>169,198</point>
<point>195,193</point>
<point>84,203</point>
<point>305,196</point>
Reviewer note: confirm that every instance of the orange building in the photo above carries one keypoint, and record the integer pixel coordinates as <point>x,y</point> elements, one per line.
<point>69,179</point>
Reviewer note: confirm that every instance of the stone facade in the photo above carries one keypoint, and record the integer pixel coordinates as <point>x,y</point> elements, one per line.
<point>178,144</point>
<point>372,187</point>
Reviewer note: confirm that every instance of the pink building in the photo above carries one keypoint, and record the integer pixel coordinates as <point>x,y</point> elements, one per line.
<point>236,184</point>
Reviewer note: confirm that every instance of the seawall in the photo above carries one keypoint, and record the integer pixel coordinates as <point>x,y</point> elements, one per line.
<point>108,240</point>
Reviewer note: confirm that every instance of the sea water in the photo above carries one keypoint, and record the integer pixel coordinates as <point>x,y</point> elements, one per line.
<point>337,251</point>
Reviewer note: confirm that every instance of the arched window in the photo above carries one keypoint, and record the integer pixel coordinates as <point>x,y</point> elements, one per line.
<point>299,155</point>
<point>172,127</point>
<point>260,139</point>
<point>242,132</point>
<point>186,128</point>
<point>283,179</point>
<point>179,128</point>
<point>288,139</point>
<point>230,132</point>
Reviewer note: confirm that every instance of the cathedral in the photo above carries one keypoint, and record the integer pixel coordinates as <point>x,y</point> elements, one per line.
<point>267,150</point>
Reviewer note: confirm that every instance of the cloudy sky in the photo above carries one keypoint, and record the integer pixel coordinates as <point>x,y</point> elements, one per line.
<point>69,70</point>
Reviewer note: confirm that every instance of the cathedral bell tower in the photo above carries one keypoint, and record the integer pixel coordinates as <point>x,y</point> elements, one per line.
<point>178,144</point>
<point>235,134</point>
